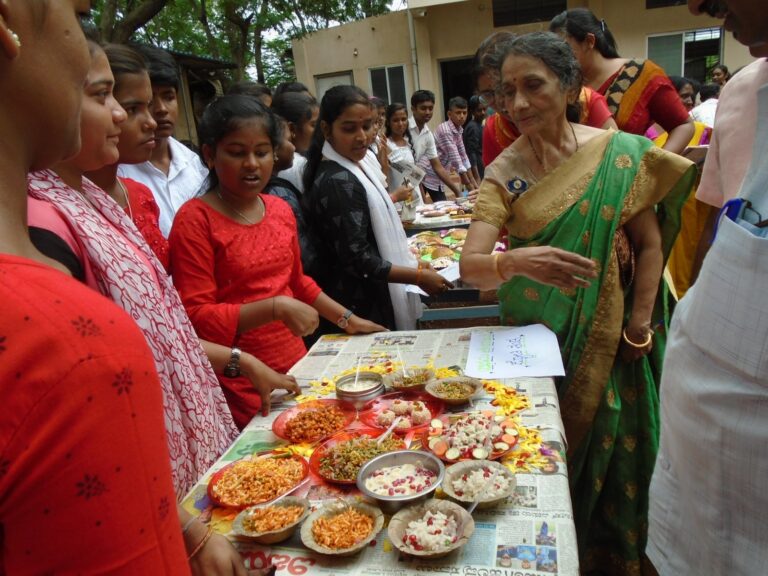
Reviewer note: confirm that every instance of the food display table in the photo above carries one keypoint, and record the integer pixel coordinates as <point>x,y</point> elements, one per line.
<point>531,533</point>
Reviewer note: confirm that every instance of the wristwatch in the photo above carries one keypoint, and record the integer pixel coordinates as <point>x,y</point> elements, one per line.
<point>343,321</point>
<point>232,369</point>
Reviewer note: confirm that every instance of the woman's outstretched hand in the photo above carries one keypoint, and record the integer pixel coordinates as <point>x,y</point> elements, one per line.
<point>265,380</point>
<point>433,283</point>
<point>548,265</point>
<point>359,325</point>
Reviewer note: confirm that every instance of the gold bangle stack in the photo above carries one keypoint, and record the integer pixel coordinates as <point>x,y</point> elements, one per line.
<point>635,345</point>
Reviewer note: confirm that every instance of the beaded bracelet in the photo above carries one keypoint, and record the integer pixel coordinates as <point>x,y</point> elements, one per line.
<point>202,543</point>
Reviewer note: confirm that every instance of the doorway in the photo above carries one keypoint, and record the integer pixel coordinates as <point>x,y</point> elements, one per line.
<point>456,76</point>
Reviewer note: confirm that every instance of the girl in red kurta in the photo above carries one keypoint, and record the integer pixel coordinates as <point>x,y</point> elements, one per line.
<point>235,255</point>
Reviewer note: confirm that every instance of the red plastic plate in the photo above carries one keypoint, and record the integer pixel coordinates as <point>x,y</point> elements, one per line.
<point>221,473</point>
<point>350,413</point>
<point>372,409</point>
<point>336,439</point>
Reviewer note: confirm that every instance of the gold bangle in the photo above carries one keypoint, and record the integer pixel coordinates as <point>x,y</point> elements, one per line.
<point>418,274</point>
<point>498,266</point>
<point>633,344</point>
<point>202,543</point>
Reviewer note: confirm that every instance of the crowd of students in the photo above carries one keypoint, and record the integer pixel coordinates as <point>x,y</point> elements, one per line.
<point>156,296</point>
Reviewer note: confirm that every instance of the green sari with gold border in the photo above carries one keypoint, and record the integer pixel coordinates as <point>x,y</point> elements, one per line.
<point>610,408</point>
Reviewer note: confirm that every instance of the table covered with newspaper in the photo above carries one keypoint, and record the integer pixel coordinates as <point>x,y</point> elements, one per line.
<point>531,533</point>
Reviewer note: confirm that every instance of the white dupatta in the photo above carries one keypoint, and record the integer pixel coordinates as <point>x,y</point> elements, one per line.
<point>389,234</point>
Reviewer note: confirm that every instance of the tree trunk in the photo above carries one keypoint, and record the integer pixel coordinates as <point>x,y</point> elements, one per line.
<point>135,19</point>
<point>258,59</point>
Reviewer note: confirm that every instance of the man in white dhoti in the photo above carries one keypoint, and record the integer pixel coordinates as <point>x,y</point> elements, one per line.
<point>708,500</point>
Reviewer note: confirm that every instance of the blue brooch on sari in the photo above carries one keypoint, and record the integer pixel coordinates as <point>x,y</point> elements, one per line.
<point>517,186</point>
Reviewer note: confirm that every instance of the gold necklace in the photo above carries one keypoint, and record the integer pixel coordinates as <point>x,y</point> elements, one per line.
<point>236,211</point>
<point>536,154</point>
<point>125,195</point>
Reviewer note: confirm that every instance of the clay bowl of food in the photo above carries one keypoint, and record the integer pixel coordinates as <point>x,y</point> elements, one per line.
<point>431,530</point>
<point>454,391</point>
<point>483,481</point>
<point>271,523</point>
<point>409,380</point>
<point>341,528</point>
<point>400,478</point>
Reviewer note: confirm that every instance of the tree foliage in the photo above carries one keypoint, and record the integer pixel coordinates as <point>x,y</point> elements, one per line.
<point>254,34</point>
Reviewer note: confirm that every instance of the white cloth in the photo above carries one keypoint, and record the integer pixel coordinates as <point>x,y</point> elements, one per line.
<point>705,112</point>
<point>295,174</point>
<point>708,511</point>
<point>424,145</point>
<point>389,234</point>
<point>184,181</point>
<point>371,161</point>
<point>731,147</point>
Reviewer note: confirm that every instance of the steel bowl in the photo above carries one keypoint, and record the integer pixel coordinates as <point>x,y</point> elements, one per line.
<point>391,504</point>
<point>359,389</point>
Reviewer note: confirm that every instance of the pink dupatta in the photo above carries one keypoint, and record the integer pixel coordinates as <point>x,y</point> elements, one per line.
<point>198,422</point>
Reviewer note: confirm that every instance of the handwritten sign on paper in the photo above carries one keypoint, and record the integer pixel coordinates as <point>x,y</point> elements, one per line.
<point>514,352</point>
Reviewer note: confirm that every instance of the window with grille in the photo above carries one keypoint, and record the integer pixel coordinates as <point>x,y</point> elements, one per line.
<point>691,54</point>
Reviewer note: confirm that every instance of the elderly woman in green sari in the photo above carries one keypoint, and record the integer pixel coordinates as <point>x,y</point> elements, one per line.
<point>590,216</point>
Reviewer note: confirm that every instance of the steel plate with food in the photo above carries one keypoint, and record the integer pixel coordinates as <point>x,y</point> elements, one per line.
<point>314,420</point>
<point>257,480</point>
<point>414,410</point>
<point>340,458</point>
<point>470,436</point>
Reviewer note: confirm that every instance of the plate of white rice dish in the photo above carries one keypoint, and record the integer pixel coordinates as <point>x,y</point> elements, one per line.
<point>485,481</point>
<point>432,530</point>
<point>402,480</point>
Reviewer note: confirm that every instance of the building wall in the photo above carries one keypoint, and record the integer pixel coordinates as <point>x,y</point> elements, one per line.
<point>450,30</point>
<point>379,41</point>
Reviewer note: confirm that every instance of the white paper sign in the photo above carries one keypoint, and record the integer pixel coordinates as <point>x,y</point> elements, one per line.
<point>451,273</point>
<point>514,352</point>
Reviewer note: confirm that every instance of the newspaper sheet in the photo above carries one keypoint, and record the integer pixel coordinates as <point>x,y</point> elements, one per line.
<point>531,534</point>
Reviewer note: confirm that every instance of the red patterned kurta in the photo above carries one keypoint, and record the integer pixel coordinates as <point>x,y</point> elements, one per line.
<point>84,469</point>
<point>117,258</point>
<point>218,265</point>
<point>146,214</point>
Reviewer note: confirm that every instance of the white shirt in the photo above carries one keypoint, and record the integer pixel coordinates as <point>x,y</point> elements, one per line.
<point>708,510</point>
<point>705,112</point>
<point>295,174</point>
<point>184,181</point>
<point>423,141</point>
